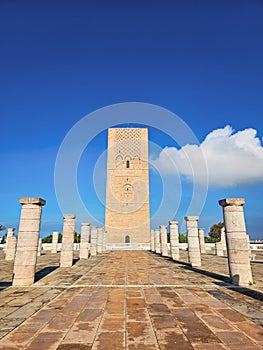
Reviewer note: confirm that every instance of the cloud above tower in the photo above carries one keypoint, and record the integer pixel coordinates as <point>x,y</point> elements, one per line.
<point>232,157</point>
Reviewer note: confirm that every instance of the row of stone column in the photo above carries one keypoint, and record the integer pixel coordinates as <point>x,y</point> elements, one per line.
<point>234,231</point>
<point>25,248</point>
<point>196,244</point>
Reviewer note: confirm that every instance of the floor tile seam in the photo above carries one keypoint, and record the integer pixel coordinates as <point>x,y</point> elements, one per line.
<point>125,308</point>
<point>233,309</point>
<point>102,259</point>
<point>150,320</point>
<point>151,323</point>
<point>235,325</point>
<point>45,307</point>
<point>181,326</point>
<point>48,331</point>
<point>99,324</point>
<point>78,315</point>
<point>227,344</point>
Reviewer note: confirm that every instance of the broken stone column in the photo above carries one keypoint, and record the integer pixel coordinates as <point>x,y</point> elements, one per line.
<point>84,240</point>
<point>27,241</point>
<point>157,242</point>
<point>93,240</point>
<point>221,245</point>
<point>152,240</point>
<point>174,240</point>
<point>201,235</point>
<point>11,243</point>
<point>67,247</point>
<point>39,247</point>
<point>219,249</point>
<point>99,240</point>
<point>163,235</point>
<point>54,248</point>
<point>194,255</point>
<point>236,241</point>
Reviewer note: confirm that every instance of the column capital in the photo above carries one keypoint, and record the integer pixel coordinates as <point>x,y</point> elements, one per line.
<point>32,200</point>
<point>10,229</point>
<point>69,216</point>
<point>191,218</point>
<point>231,201</point>
<point>162,226</point>
<point>85,224</point>
<point>173,222</point>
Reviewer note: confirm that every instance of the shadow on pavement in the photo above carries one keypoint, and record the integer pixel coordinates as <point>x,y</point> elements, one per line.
<point>44,272</point>
<point>4,285</point>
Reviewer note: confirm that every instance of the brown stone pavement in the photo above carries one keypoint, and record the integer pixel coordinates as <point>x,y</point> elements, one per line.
<point>134,300</point>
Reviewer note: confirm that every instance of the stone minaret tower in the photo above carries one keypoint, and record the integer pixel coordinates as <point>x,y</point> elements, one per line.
<point>127,195</point>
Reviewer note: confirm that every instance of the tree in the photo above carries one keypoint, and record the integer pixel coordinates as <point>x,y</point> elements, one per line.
<point>48,239</point>
<point>182,238</point>
<point>215,231</point>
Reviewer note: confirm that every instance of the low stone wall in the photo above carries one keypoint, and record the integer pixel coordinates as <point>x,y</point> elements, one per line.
<point>127,246</point>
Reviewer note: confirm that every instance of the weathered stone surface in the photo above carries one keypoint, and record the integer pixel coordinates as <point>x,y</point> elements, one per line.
<point>174,240</point>
<point>237,244</point>
<point>93,240</point>
<point>27,242</point>
<point>66,255</point>
<point>39,248</point>
<point>151,302</point>
<point>99,240</point>
<point>84,240</point>
<point>163,236</point>
<point>194,255</point>
<point>127,218</point>
<point>152,240</point>
<point>201,235</point>
<point>11,242</point>
<point>157,242</point>
<point>54,248</point>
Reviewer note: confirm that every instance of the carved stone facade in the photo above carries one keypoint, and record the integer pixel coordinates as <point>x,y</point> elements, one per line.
<point>127,217</point>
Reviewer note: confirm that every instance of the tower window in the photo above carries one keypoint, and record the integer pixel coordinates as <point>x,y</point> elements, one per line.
<point>127,163</point>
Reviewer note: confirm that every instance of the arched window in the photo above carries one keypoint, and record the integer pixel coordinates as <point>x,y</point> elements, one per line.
<point>127,163</point>
<point>127,239</point>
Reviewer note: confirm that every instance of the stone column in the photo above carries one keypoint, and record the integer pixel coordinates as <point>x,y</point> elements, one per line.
<point>236,241</point>
<point>174,240</point>
<point>152,240</point>
<point>219,249</point>
<point>201,235</point>
<point>39,247</point>
<point>104,241</point>
<point>99,240</point>
<point>84,240</point>
<point>67,247</point>
<point>194,255</point>
<point>11,242</point>
<point>27,241</point>
<point>157,242</point>
<point>248,244</point>
<point>54,248</point>
<point>163,235</point>
<point>93,240</point>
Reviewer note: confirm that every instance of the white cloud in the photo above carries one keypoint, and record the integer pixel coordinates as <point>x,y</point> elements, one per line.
<point>229,158</point>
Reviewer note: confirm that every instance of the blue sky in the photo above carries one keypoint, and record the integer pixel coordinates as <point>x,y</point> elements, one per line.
<point>61,60</point>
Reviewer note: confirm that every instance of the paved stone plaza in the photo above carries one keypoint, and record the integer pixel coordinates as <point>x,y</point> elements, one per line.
<point>131,300</point>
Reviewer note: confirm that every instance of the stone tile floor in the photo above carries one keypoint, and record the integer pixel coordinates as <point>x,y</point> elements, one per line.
<point>131,300</point>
